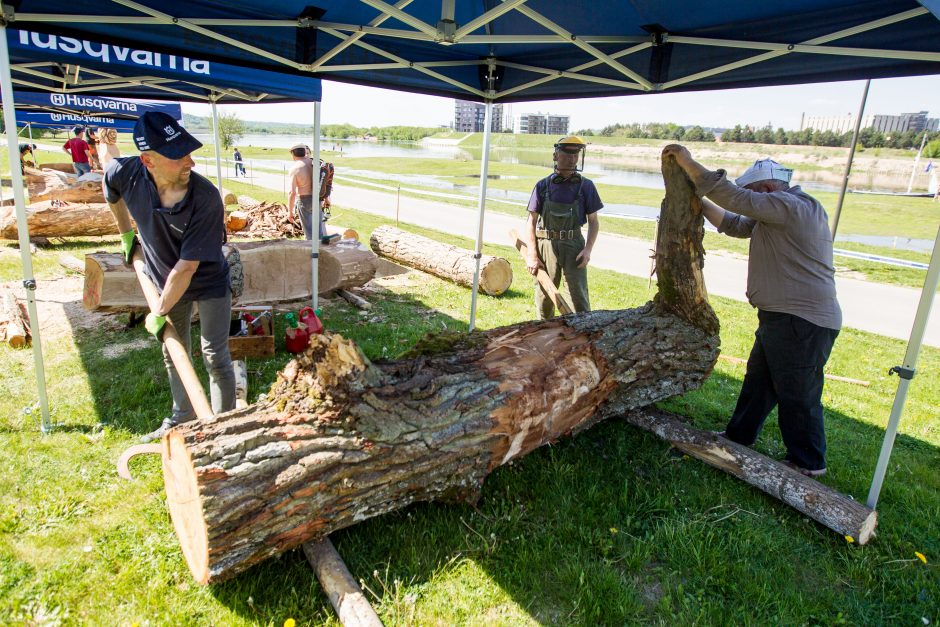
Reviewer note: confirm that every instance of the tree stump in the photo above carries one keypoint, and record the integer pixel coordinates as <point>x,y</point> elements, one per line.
<point>442,260</point>
<point>339,439</point>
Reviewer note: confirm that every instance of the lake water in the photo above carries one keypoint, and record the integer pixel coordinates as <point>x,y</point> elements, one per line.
<point>601,171</point>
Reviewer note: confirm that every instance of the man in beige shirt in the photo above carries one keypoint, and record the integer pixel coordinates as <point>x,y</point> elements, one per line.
<point>791,283</point>
<point>300,198</point>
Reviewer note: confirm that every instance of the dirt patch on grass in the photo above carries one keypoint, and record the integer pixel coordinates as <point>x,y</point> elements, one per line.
<point>60,310</point>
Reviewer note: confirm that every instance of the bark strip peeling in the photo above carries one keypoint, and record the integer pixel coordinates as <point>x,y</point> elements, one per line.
<point>339,439</point>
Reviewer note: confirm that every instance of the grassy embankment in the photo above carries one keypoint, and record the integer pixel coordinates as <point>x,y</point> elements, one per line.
<point>605,528</point>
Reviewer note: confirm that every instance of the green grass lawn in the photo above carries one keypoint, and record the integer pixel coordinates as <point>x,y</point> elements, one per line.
<point>604,528</point>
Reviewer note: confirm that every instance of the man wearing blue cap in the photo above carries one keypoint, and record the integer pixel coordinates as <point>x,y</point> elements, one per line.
<point>791,282</point>
<point>181,224</point>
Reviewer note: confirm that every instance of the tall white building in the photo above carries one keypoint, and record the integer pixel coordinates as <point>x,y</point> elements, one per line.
<point>916,122</point>
<point>470,117</point>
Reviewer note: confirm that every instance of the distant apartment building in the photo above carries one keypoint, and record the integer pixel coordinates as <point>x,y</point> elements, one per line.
<point>470,117</point>
<point>917,122</point>
<point>542,124</point>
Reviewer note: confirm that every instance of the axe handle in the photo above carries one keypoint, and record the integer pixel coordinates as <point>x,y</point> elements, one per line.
<point>542,277</point>
<point>171,339</point>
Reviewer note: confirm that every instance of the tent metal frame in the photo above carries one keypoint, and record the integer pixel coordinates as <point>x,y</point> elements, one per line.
<point>447,33</point>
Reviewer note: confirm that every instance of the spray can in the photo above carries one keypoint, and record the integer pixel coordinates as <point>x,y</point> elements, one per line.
<point>311,319</point>
<point>296,338</point>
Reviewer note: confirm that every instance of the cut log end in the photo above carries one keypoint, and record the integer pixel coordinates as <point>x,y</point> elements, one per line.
<point>496,277</point>
<point>867,531</point>
<point>185,506</point>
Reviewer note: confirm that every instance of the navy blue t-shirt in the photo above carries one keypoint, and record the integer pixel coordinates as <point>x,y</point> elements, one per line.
<point>565,192</point>
<point>192,230</point>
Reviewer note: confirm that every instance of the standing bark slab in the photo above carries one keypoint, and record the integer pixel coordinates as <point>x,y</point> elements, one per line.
<point>271,272</point>
<point>442,260</point>
<point>339,439</point>
<point>73,219</point>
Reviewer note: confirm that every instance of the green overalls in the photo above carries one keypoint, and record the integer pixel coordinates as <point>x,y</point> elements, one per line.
<point>559,239</point>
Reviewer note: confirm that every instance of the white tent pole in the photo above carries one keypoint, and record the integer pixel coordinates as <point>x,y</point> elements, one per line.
<point>910,183</point>
<point>218,149</point>
<point>848,165</point>
<point>906,371</point>
<point>484,168</point>
<point>315,199</point>
<point>16,175</point>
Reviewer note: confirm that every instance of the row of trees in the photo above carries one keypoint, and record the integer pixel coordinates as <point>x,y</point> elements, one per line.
<point>392,133</point>
<point>867,137</point>
<point>654,131</point>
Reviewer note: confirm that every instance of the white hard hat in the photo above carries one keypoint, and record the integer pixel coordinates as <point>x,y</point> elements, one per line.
<point>764,170</point>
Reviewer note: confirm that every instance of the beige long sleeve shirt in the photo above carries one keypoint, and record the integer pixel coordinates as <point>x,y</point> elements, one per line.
<point>790,267</point>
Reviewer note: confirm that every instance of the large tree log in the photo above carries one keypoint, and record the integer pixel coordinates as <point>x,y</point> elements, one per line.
<point>13,328</point>
<point>821,503</point>
<point>50,184</point>
<point>442,260</point>
<point>46,219</point>
<point>339,439</point>
<point>272,272</point>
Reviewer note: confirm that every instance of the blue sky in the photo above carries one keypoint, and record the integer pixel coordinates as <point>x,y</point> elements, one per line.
<point>780,106</point>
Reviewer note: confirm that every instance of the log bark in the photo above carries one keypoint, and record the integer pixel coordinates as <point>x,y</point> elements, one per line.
<point>833,509</point>
<point>49,184</point>
<point>48,219</point>
<point>442,260</point>
<point>69,262</point>
<point>339,439</point>
<point>271,272</point>
<point>13,328</point>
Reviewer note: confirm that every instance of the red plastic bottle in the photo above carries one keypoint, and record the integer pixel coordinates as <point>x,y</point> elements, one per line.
<point>296,338</point>
<point>309,318</point>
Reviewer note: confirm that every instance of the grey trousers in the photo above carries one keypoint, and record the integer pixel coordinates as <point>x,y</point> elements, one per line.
<point>304,207</point>
<point>215,315</point>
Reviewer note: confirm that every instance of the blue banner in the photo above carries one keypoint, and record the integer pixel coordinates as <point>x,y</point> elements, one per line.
<point>92,105</point>
<point>69,120</point>
<point>201,77</point>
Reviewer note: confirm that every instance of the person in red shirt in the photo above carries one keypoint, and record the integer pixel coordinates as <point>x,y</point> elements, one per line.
<point>79,150</point>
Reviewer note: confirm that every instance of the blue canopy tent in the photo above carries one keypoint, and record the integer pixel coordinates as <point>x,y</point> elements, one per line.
<point>58,77</point>
<point>520,50</point>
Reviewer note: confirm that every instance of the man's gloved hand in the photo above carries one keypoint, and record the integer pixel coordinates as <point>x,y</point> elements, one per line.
<point>154,325</point>
<point>128,241</point>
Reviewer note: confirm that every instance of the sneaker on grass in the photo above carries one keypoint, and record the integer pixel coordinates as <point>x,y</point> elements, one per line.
<point>168,423</point>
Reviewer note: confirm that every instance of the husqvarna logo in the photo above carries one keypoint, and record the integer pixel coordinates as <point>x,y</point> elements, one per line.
<point>168,130</point>
<point>57,99</point>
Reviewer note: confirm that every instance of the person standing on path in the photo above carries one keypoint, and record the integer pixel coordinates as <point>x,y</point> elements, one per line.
<point>300,198</point>
<point>181,223</point>
<point>791,282</point>
<point>78,149</point>
<point>559,206</point>
<point>239,164</point>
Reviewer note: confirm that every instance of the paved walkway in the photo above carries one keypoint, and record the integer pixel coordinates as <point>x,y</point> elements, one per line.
<point>875,307</point>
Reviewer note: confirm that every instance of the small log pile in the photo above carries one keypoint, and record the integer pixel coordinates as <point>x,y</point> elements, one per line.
<point>263,220</point>
<point>14,329</point>
<point>52,184</point>
<point>442,260</point>
<point>55,218</point>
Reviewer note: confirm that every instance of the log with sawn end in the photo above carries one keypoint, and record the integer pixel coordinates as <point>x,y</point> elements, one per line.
<point>826,506</point>
<point>339,439</point>
<point>442,260</point>
<point>60,219</point>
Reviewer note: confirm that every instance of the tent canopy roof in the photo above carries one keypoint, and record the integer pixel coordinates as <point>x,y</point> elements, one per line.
<point>41,62</point>
<point>515,50</point>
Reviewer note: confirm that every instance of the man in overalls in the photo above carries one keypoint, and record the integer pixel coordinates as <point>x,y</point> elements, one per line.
<point>559,206</point>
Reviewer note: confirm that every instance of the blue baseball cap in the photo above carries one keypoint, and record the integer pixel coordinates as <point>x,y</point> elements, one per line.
<point>162,134</point>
